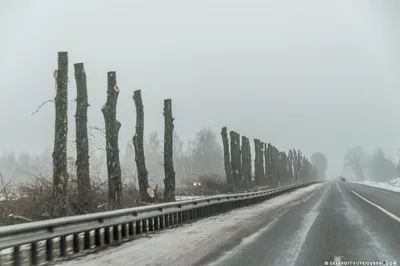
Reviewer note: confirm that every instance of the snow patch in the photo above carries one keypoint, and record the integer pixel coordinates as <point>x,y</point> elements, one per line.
<point>180,198</point>
<point>392,185</point>
<point>189,243</point>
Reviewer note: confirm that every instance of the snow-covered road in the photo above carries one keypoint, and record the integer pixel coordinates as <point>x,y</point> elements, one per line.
<point>192,243</point>
<point>310,226</point>
<point>393,185</point>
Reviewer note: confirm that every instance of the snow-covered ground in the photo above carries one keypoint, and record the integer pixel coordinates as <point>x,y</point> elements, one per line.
<point>180,198</point>
<point>392,185</point>
<point>187,244</point>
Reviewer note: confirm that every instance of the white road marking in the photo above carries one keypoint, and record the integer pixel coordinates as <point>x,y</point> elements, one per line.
<point>379,207</point>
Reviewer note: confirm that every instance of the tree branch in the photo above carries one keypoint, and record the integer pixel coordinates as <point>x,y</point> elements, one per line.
<point>40,106</point>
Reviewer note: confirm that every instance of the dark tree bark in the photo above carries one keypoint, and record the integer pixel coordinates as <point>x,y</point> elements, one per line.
<point>275,166</point>
<point>112,126</point>
<point>139,149</point>
<point>234,166</point>
<point>82,143</point>
<point>268,166</point>
<point>290,166</point>
<point>227,159</point>
<point>262,173</point>
<point>296,165</point>
<point>169,180</point>
<point>246,162</point>
<point>60,173</point>
<point>266,161</point>
<point>236,162</point>
<point>258,163</point>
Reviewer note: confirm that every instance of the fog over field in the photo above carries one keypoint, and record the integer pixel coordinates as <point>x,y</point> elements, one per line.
<point>319,76</point>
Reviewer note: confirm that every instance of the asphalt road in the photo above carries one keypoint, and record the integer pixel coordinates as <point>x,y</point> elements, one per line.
<point>340,221</point>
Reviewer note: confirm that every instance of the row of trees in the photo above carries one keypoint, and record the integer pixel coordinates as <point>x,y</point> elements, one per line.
<point>374,167</point>
<point>112,127</point>
<point>272,167</point>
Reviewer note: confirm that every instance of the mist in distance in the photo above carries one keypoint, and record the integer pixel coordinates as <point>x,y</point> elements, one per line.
<point>310,75</point>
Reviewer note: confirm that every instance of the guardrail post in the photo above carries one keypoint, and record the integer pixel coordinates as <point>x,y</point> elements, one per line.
<point>63,246</point>
<point>16,256</point>
<point>34,259</point>
<point>162,221</point>
<point>75,243</point>
<point>151,224</point>
<point>123,230</point>
<point>106,235</point>
<point>179,218</point>
<point>49,249</point>
<point>156,227</point>
<point>87,240</point>
<point>130,229</point>
<point>115,233</point>
<point>144,226</point>
<point>97,237</point>
<point>138,227</point>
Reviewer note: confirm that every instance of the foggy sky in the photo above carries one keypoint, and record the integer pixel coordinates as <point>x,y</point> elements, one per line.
<point>314,75</point>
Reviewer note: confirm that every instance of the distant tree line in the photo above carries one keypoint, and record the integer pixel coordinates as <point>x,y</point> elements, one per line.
<point>272,167</point>
<point>373,167</point>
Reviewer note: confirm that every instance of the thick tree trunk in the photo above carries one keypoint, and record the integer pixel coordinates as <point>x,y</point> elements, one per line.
<point>234,166</point>
<point>246,162</point>
<point>236,162</point>
<point>227,159</point>
<point>139,149</point>
<point>262,173</point>
<point>60,173</point>
<point>266,162</point>
<point>268,166</point>
<point>82,143</point>
<point>257,162</point>
<point>290,166</point>
<point>112,127</point>
<point>169,180</point>
<point>275,168</point>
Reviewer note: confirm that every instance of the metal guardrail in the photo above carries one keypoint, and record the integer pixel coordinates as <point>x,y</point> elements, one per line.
<point>125,224</point>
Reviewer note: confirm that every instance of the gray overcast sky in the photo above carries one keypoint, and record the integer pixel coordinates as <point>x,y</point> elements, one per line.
<point>315,75</point>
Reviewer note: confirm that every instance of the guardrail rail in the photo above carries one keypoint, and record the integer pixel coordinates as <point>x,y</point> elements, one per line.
<point>35,242</point>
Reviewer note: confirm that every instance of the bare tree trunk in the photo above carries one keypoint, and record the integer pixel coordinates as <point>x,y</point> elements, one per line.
<point>60,173</point>
<point>227,159</point>
<point>275,168</point>
<point>139,149</point>
<point>262,173</point>
<point>82,143</point>
<point>112,127</point>
<point>268,166</point>
<point>234,165</point>
<point>266,161</point>
<point>238,162</point>
<point>169,180</point>
<point>290,166</point>
<point>257,162</point>
<point>246,162</point>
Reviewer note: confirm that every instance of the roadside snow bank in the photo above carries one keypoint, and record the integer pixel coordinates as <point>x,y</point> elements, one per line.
<point>392,185</point>
<point>189,243</point>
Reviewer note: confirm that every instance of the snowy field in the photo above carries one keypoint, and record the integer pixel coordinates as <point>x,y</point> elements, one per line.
<point>188,243</point>
<point>392,185</point>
